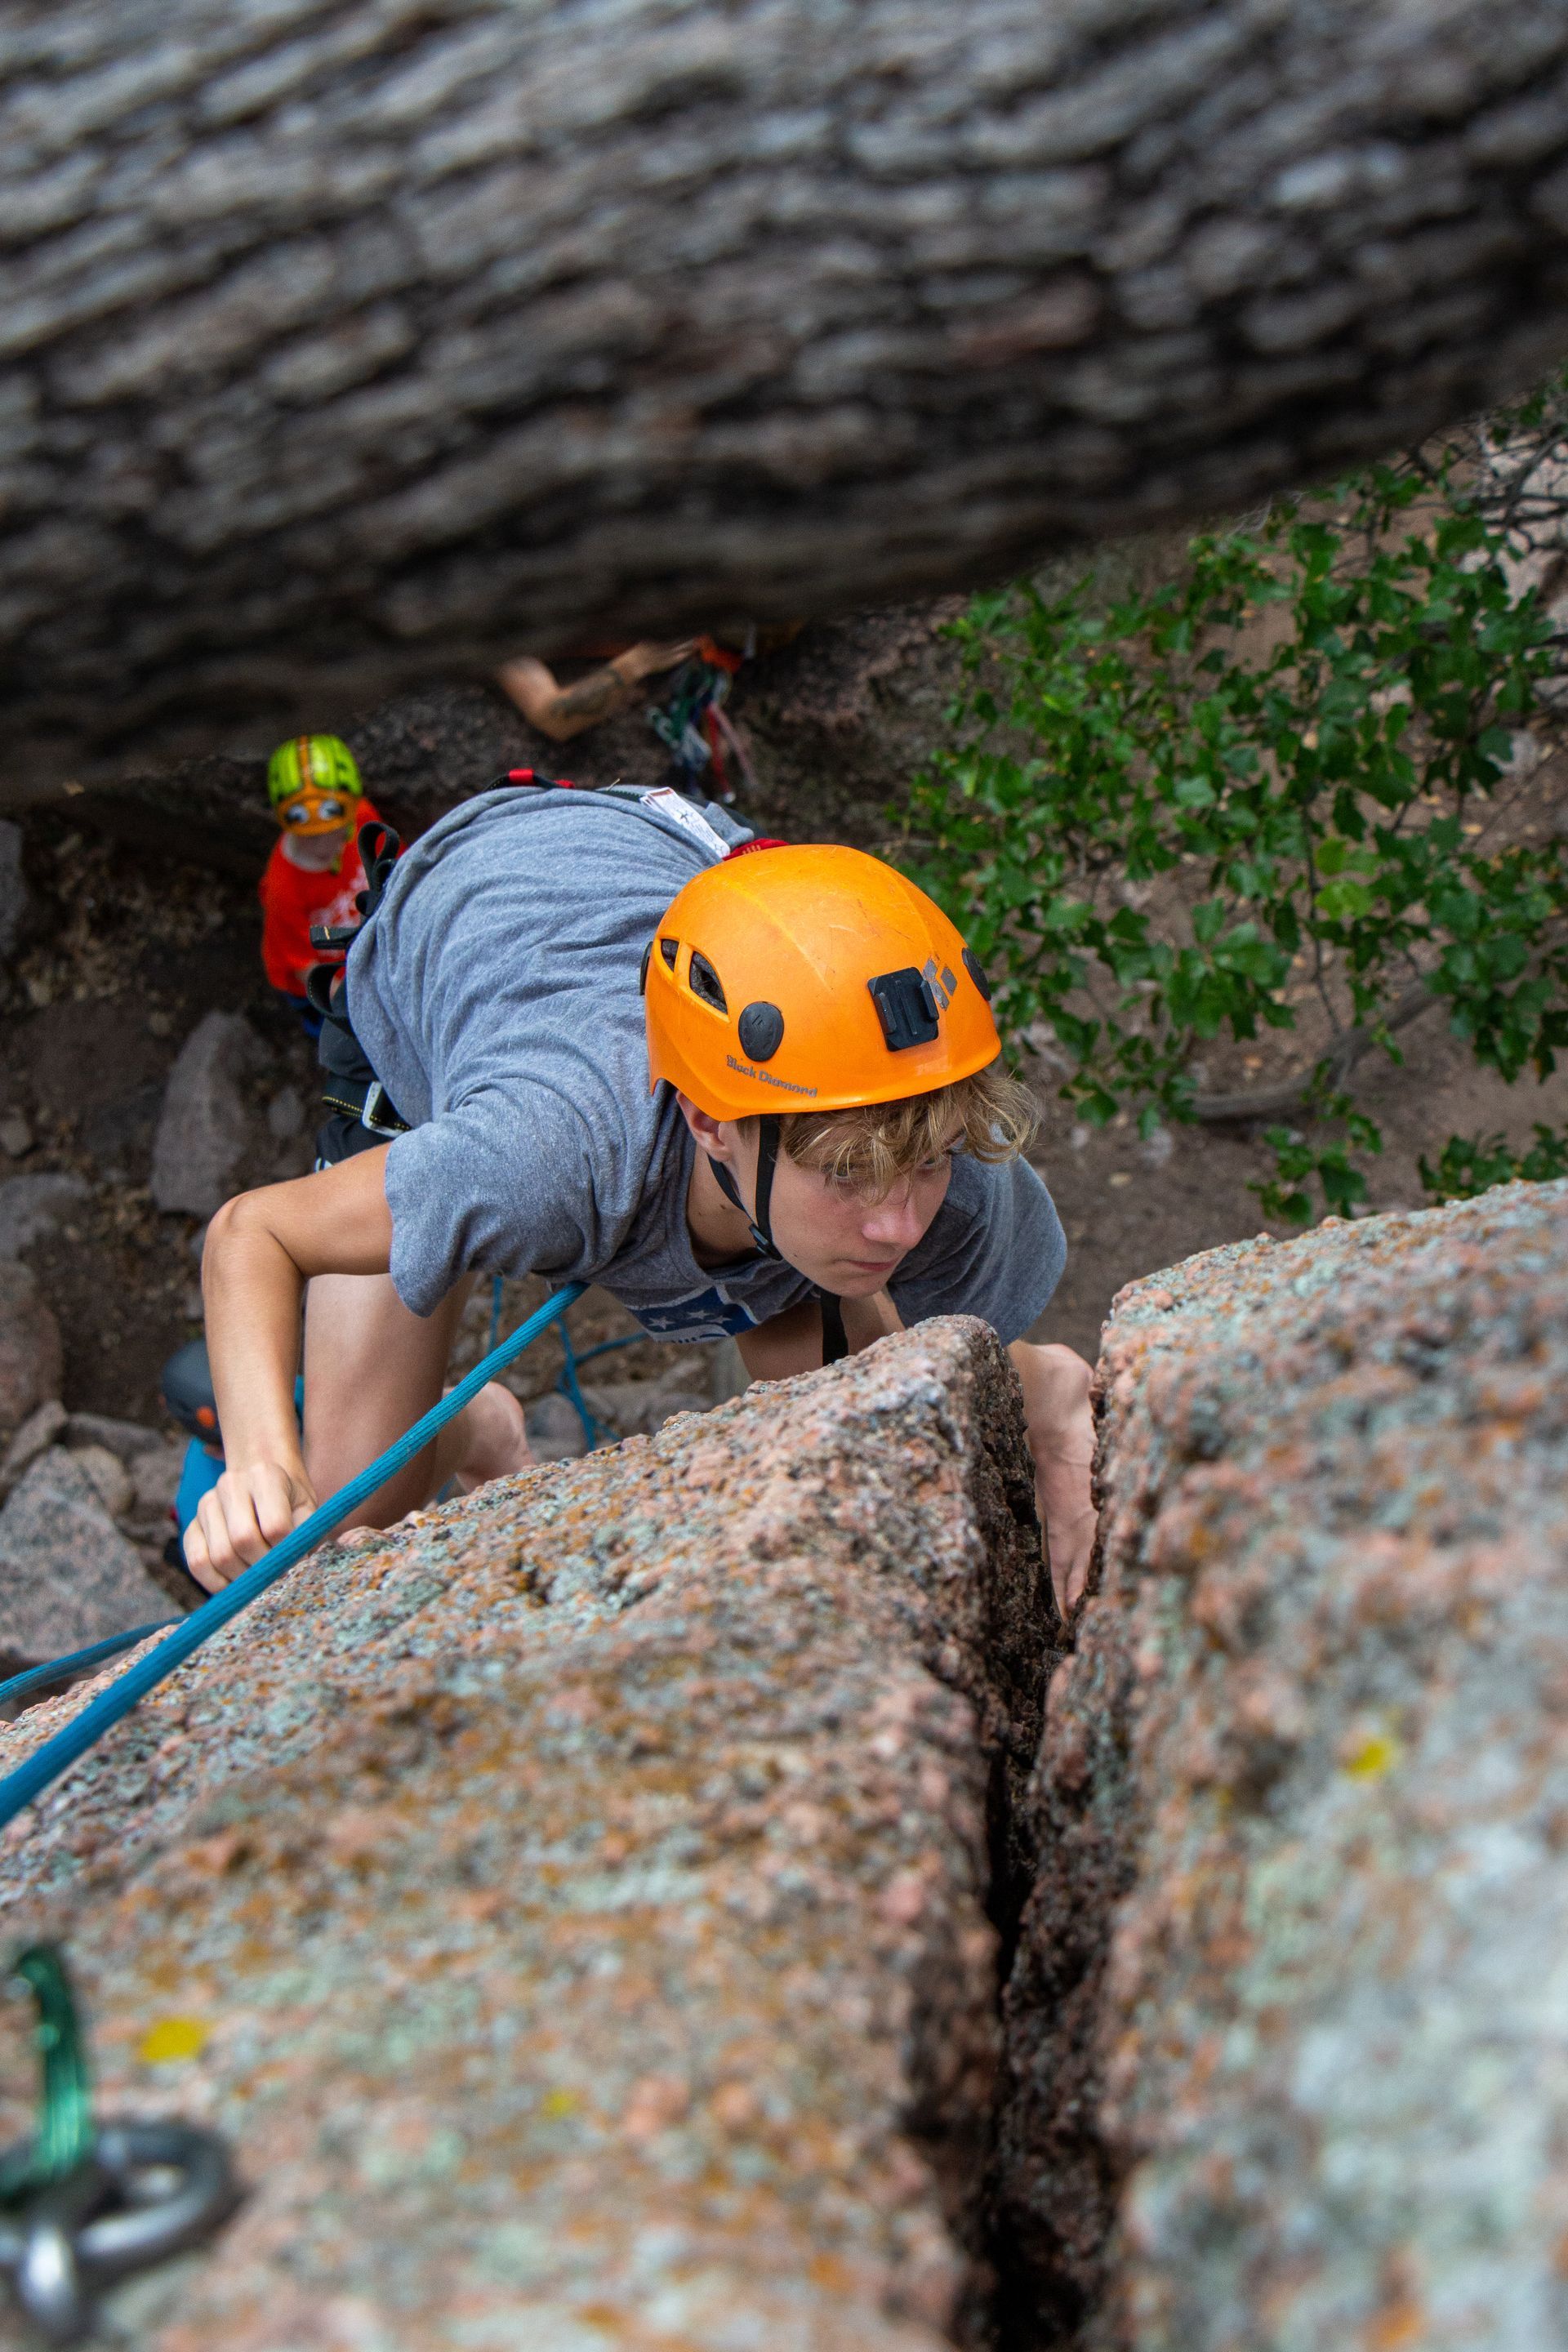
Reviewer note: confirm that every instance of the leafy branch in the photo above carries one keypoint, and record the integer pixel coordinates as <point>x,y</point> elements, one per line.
<point>1275,782</point>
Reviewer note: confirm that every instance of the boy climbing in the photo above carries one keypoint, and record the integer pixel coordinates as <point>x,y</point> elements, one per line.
<point>604,1036</point>
<point>314,873</point>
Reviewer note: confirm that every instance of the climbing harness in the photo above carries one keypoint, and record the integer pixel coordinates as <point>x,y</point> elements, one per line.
<point>379,849</point>
<point>36,1772</point>
<point>83,2204</point>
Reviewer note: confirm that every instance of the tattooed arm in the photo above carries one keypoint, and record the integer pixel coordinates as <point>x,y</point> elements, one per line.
<point>562,712</point>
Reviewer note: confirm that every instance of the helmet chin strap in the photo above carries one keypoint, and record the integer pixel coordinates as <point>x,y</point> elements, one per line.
<point>770,1127</point>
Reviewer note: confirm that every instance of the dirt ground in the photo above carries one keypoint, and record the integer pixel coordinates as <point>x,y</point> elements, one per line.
<point>134,950</point>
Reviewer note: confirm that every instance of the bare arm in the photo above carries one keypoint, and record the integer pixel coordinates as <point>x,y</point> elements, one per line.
<point>1058,1419</point>
<point>261,1249</point>
<point>792,1342</point>
<point>561,712</point>
<point>1060,1424</point>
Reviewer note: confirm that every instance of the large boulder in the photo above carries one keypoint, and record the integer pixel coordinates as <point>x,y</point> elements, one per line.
<point>1288,2032</point>
<point>578,1898</point>
<point>30,1354</point>
<point>67,1576</point>
<point>334,357</point>
<point>205,1125</point>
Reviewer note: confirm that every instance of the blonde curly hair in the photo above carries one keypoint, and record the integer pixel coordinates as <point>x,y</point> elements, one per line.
<point>867,1149</point>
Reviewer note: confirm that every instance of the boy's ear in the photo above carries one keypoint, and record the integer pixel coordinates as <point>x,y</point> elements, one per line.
<point>714,1136</point>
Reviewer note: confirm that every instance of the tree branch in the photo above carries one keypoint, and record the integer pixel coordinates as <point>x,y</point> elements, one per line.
<point>1290,1093</point>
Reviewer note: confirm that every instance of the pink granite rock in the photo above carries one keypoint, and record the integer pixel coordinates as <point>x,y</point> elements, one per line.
<point>1287,2037</point>
<point>574,1905</point>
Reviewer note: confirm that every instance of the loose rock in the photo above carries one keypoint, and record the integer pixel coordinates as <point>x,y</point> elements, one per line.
<point>37,1433</point>
<point>286,1115</point>
<point>155,1476</point>
<point>124,1438</point>
<point>67,1576</point>
<point>555,1429</point>
<point>632,1408</point>
<point>30,1353</point>
<point>111,1480</point>
<point>204,1128</point>
<point>34,1207</point>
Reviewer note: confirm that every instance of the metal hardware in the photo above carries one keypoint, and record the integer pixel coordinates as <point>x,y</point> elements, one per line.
<point>375,1097</point>
<point>147,2190</point>
<point>79,2207</point>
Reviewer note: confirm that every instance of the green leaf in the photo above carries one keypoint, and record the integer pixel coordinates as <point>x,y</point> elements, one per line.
<point>1343,901</point>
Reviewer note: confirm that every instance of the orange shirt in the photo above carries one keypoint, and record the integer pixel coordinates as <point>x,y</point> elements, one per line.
<point>292,898</point>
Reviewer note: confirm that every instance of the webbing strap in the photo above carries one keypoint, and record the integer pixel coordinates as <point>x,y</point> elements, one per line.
<point>30,1778</point>
<point>762,1224</point>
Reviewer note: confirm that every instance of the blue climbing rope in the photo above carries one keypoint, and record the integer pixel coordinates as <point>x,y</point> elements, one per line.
<point>30,1778</point>
<point>594,1429</point>
<point>55,1670</point>
<point>566,1383</point>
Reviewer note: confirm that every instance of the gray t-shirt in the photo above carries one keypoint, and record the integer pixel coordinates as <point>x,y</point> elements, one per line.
<point>496,993</point>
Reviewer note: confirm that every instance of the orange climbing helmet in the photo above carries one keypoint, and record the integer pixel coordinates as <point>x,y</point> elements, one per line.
<point>313,784</point>
<point>810,979</point>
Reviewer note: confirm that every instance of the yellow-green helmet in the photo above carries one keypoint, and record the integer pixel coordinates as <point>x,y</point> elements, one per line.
<point>313,783</point>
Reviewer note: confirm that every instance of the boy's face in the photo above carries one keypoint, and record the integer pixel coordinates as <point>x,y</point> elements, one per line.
<point>836,1237</point>
<point>317,851</point>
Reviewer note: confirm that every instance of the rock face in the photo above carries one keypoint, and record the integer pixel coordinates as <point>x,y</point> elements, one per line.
<point>67,1576</point>
<point>1288,2038</point>
<point>579,1898</point>
<point>30,1359</point>
<point>204,1126</point>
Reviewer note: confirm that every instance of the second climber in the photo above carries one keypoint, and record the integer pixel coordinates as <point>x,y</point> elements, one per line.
<point>314,875</point>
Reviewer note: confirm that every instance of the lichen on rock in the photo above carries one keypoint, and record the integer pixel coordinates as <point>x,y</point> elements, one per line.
<point>1287,2037</point>
<point>574,1906</point>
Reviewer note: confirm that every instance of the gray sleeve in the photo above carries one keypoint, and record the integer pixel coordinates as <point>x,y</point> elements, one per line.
<point>494,1186</point>
<point>995,1249</point>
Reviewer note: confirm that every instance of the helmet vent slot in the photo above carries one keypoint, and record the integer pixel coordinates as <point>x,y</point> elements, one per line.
<point>669,950</point>
<point>704,981</point>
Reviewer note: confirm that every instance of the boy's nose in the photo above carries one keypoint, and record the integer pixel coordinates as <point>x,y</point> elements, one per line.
<point>895,1221</point>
